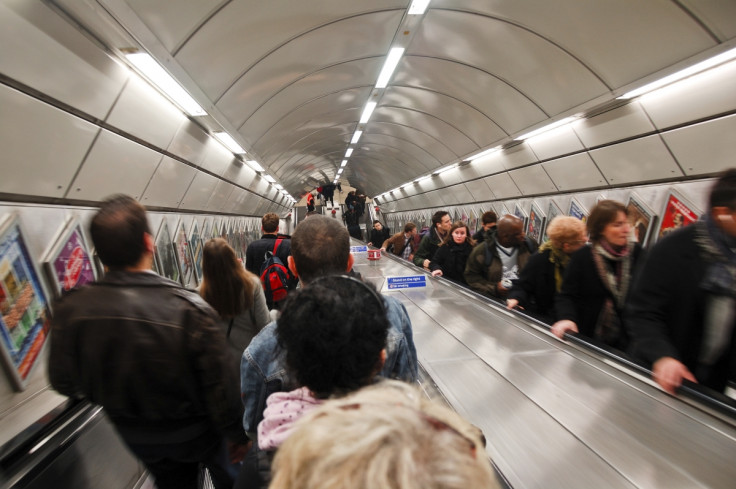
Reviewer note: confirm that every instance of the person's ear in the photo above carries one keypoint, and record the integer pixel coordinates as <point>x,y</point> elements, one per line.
<point>351,261</point>
<point>148,242</point>
<point>292,265</point>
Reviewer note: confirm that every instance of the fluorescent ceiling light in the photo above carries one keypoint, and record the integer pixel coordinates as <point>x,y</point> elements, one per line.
<point>482,154</point>
<point>546,128</point>
<point>344,162</point>
<point>451,167</point>
<point>692,70</point>
<point>418,7</point>
<point>425,178</point>
<point>339,171</point>
<point>356,136</point>
<point>367,112</point>
<point>228,141</point>
<point>161,79</point>
<point>279,186</point>
<point>348,152</point>
<point>269,178</point>
<point>389,66</point>
<point>255,165</point>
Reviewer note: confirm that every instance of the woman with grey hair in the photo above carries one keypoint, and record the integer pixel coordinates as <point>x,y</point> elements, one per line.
<point>387,435</point>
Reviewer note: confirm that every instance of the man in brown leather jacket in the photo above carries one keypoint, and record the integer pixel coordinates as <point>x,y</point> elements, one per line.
<point>150,353</point>
<point>402,244</point>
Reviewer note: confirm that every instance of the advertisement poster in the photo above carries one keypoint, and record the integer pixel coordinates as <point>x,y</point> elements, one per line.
<point>24,305</point>
<point>552,211</point>
<point>577,210</point>
<point>641,219</point>
<point>165,256</point>
<point>69,263</point>
<point>536,223</point>
<point>677,213</point>
<point>521,214</point>
<point>184,256</point>
<point>195,244</point>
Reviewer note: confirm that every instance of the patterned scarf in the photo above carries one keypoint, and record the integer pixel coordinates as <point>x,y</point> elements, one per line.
<point>608,328</point>
<point>559,259</point>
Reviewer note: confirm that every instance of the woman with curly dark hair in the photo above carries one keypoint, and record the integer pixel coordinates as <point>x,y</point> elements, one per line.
<point>333,334</point>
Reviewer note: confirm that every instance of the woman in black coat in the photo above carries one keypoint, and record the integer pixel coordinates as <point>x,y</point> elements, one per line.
<point>598,278</point>
<point>450,258</point>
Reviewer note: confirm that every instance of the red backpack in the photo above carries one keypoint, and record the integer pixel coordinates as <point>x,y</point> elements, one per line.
<point>274,277</point>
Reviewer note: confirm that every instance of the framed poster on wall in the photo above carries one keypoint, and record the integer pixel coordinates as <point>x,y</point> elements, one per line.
<point>521,214</point>
<point>553,210</point>
<point>537,219</point>
<point>677,213</point>
<point>197,247</point>
<point>577,210</point>
<point>165,255</point>
<point>69,263</point>
<point>641,218</point>
<point>184,256</point>
<point>24,305</point>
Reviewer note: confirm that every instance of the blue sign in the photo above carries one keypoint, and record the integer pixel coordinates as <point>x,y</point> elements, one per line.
<point>406,282</point>
<point>358,249</point>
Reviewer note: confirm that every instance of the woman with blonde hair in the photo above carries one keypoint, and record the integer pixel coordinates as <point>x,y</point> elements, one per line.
<point>541,279</point>
<point>235,293</point>
<point>387,435</point>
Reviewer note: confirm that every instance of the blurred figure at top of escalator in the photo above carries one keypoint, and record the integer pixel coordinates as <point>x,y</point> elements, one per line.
<point>682,312</point>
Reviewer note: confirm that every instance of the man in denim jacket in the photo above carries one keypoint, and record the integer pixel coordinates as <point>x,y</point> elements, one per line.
<point>319,246</point>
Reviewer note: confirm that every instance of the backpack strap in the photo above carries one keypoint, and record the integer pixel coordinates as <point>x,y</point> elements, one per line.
<point>276,246</point>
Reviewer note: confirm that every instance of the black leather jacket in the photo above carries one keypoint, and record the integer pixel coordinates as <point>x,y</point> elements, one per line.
<point>149,352</point>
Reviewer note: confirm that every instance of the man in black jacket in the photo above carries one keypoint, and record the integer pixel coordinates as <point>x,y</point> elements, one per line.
<point>255,254</point>
<point>150,353</point>
<point>681,314</point>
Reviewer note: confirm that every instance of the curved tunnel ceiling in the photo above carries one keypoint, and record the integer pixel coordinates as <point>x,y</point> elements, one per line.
<point>290,82</point>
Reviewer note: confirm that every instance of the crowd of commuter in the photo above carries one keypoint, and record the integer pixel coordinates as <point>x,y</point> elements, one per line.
<point>672,308</point>
<point>164,361</point>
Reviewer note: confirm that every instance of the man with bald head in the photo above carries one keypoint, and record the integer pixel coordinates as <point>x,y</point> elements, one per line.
<point>495,263</point>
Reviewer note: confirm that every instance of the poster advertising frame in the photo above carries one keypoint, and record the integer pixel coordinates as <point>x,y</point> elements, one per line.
<point>68,263</point>
<point>553,210</point>
<point>196,245</point>
<point>165,254</point>
<point>675,204</point>
<point>641,218</point>
<point>184,255</point>
<point>537,220</point>
<point>521,214</point>
<point>25,311</point>
<point>578,210</point>
<point>205,234</point>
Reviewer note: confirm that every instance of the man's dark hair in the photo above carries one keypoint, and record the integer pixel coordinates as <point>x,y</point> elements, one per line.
<point>604,213</point>
<point>320,246</point>
<point>333,332</point>
<point>117,231</point>
<point>437,217</point>
<point>723,192</point>
<point>488,217</point>
<point>270,223</point>
<point>409,227</point>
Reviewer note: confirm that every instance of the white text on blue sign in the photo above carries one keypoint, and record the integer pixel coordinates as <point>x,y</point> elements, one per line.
<point>406,282</point>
